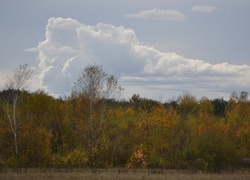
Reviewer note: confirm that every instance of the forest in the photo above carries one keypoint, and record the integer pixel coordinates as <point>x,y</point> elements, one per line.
<point>92,128</point>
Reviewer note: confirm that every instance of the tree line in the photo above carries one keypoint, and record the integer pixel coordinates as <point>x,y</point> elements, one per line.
<point>91,128</point>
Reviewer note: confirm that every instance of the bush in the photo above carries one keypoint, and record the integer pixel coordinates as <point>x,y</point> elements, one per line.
<point>215,151</point>
<point>76,158</point>
<point>137,160</point>
<point>36,148</point>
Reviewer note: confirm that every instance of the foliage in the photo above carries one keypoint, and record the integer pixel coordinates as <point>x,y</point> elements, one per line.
<point>36,147</point>
<point>215,151</point>
<point>137,159</point>
<point>92,128</point>
<point>76,158</point>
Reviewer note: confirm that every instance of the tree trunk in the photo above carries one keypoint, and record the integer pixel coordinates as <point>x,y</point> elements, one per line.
<point>112,155</point>
<point>100,125</point>
<point>15,125</point>
<point>91,131</point>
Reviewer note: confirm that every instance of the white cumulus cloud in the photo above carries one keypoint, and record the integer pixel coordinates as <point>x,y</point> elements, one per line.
<point>159,14</point>
<point>204,9</point>
<point>69,46</point>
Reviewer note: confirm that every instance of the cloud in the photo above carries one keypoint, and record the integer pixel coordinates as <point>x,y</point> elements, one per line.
<point>159,14</point>
<point>69,46</point>
<point>204,9</point>
<point>33,49</point>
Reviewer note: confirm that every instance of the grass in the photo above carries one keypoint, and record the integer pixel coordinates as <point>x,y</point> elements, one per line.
<point>121,174</point>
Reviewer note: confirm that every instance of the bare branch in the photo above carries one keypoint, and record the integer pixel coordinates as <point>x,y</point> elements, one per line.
<point>19,77</point>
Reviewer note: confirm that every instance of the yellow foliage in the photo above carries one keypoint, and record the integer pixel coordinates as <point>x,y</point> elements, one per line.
<point>129,111</point>
<point>36,147</point>
<point>75,158</point>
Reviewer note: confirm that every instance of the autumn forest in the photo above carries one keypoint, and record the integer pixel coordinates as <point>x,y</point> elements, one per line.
<point>93,128</point>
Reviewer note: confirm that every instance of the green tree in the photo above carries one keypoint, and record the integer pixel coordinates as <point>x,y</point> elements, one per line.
<point>215,151</point>
<point>219,106</point>
<point>187,105</point>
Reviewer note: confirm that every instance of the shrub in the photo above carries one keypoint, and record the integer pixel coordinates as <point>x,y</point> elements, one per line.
<point>215,151</point>
<point>75,158</point>
<point>137,160</point>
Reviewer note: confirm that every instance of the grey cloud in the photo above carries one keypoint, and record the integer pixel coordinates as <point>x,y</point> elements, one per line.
<point>204,9</point>
<point>159,14</point>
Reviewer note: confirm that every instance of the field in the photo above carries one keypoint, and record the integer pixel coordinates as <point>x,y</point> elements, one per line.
<point>121,174</point>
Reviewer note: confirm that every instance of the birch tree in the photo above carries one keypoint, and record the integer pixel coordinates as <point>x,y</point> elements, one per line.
<point>14,84</point>
<point>95,87</point>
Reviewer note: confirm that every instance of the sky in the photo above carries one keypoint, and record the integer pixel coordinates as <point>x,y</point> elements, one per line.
<point>156,48</point>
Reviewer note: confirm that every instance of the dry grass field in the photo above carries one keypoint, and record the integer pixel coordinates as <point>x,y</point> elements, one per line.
<point>119,174</point>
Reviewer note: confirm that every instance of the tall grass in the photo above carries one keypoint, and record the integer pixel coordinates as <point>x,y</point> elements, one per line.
<point>121,174</point>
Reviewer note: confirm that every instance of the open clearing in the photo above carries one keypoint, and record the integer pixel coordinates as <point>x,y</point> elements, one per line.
<point>121,174</point>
